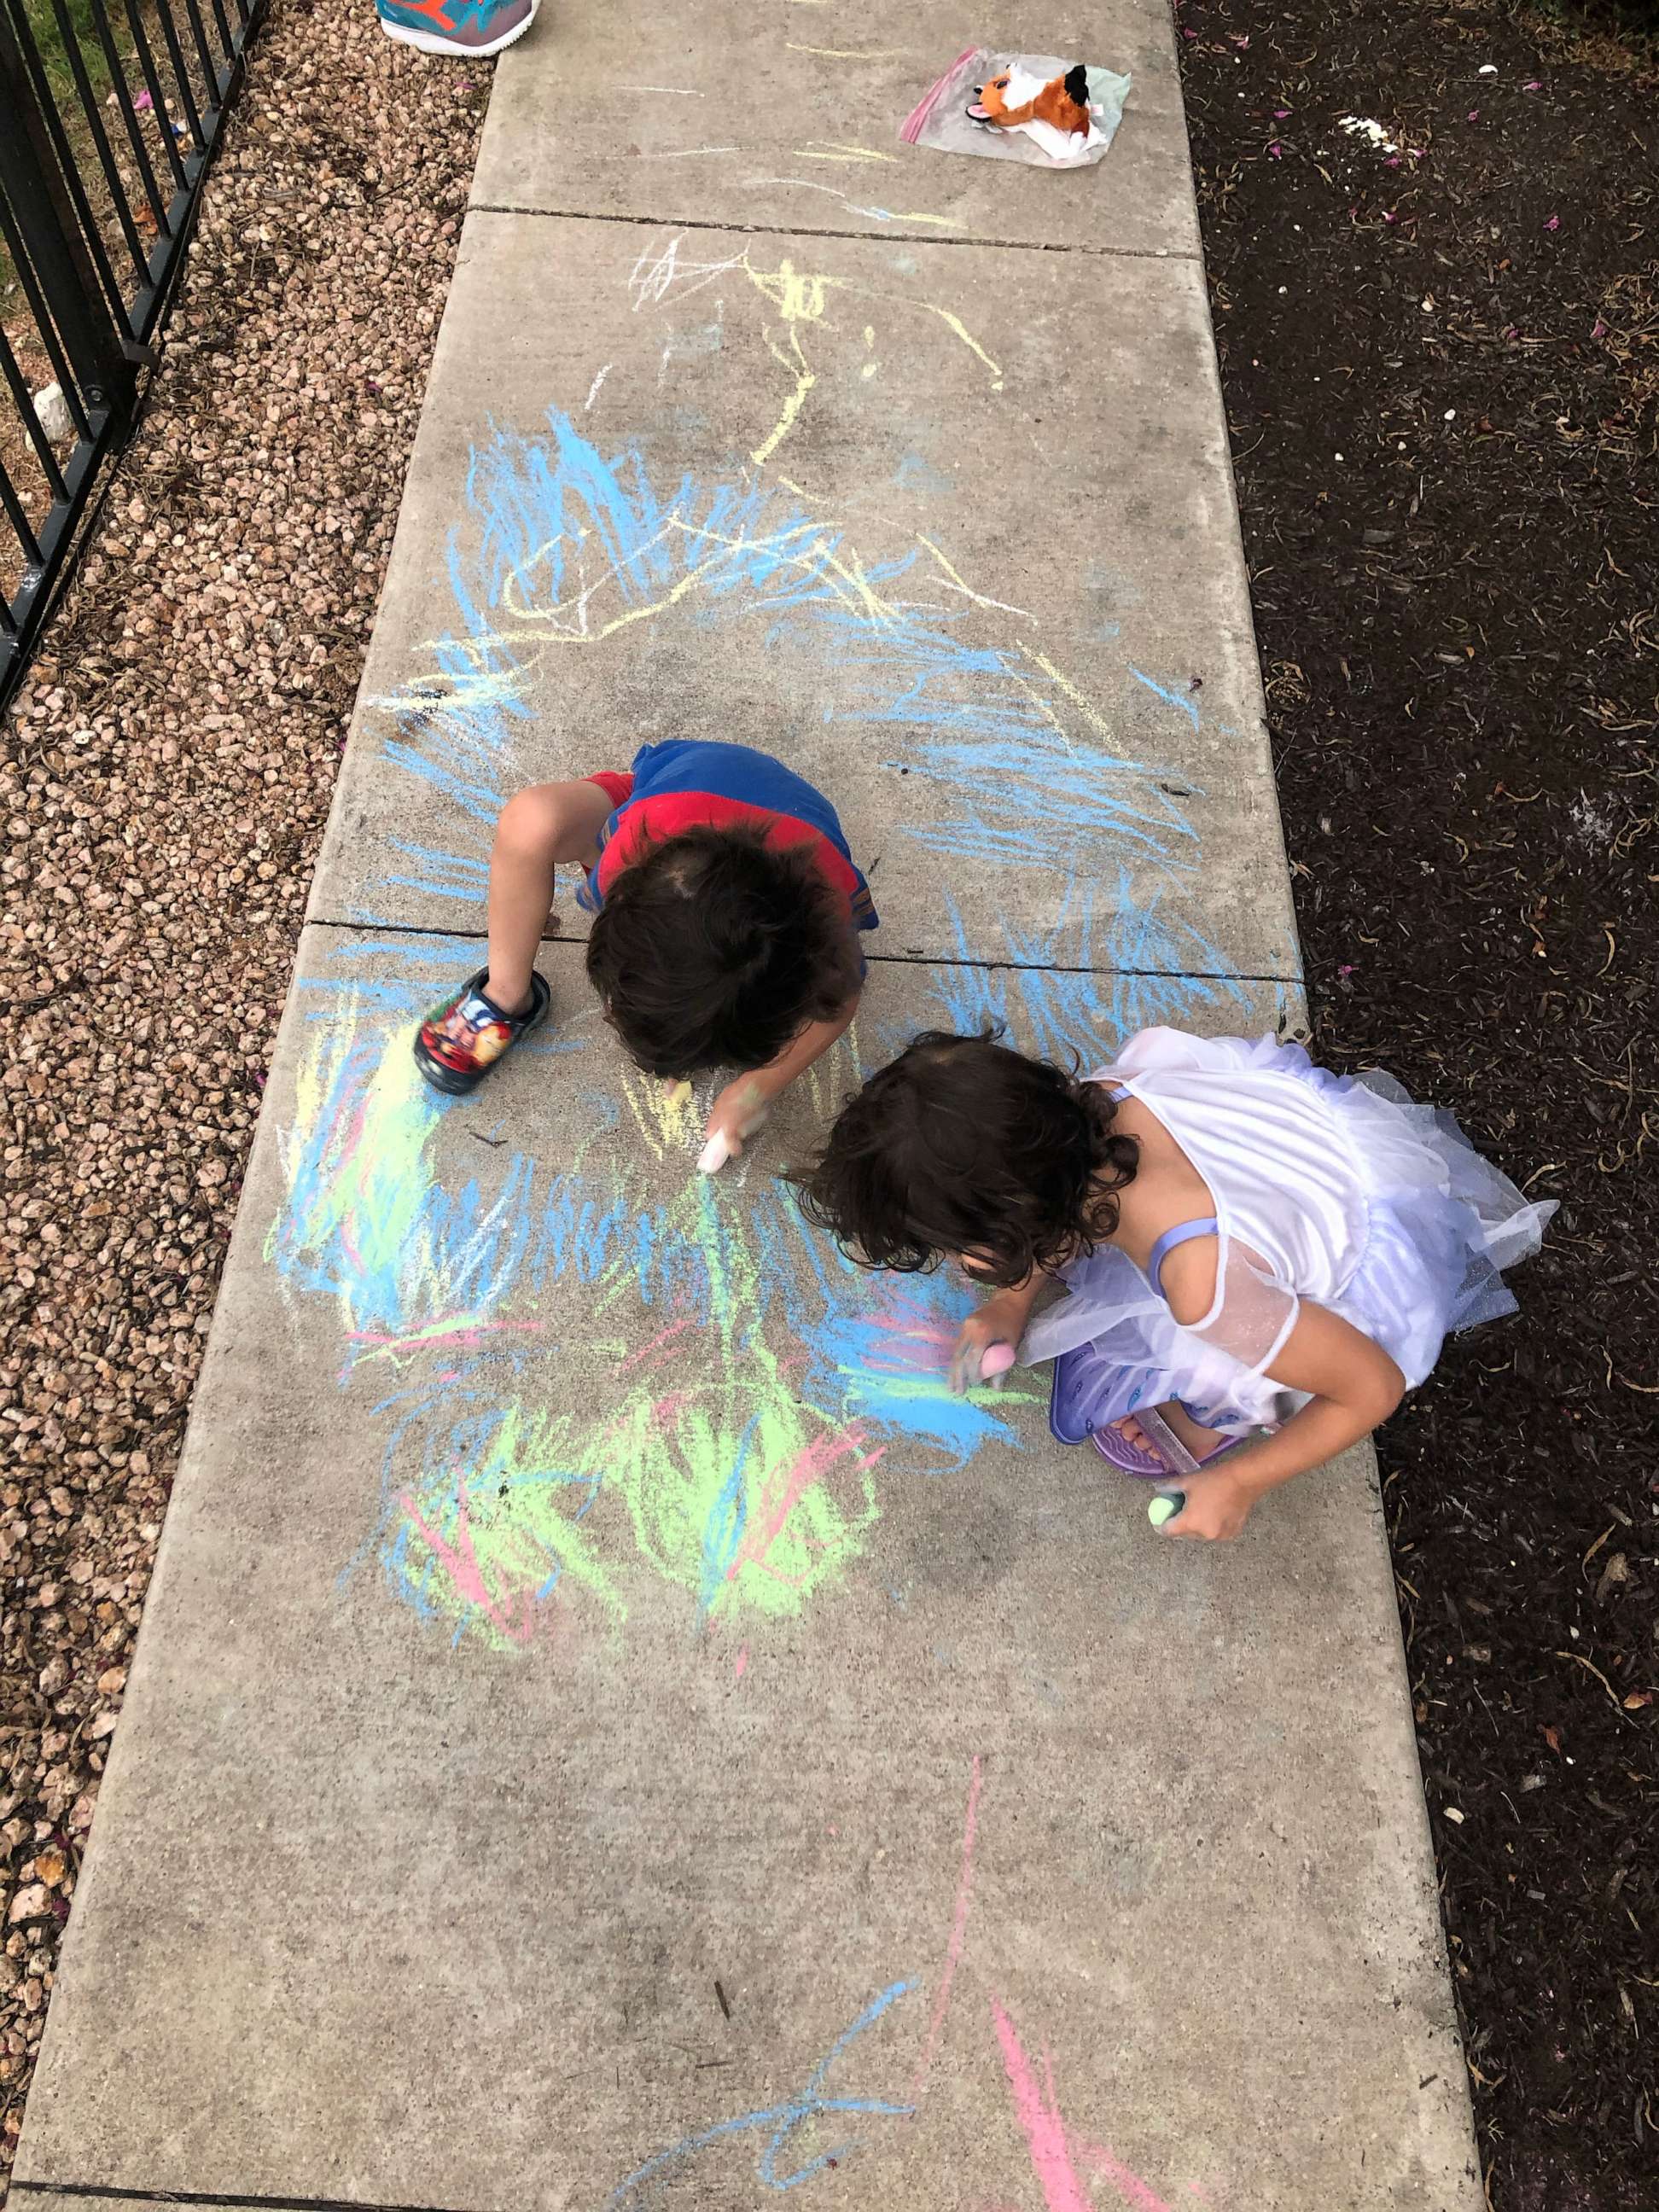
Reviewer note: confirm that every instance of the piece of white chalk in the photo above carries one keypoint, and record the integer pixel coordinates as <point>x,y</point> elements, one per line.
<point>716,1152</point>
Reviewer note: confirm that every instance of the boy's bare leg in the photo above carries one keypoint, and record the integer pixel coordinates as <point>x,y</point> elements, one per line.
<point>542,825</point>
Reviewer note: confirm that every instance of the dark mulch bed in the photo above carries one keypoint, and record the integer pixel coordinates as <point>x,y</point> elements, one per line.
<point>1442,373</point>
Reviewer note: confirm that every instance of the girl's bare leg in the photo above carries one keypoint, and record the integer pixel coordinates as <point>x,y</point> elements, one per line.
<point>545,824</point>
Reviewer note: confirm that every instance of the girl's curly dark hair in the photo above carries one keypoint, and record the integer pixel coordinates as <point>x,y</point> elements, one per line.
<point>962,1145</point>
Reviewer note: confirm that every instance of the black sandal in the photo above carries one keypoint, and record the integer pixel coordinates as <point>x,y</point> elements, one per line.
<point>464,1037</point>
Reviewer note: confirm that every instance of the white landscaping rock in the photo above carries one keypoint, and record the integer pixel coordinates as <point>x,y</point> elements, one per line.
<point>52,413</point>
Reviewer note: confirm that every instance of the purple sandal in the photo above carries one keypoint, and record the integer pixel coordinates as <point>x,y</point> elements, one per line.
<point>1081,1379</point>
<point>1171,1455</point>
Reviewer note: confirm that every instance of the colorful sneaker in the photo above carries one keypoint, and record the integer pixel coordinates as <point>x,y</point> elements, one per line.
<point>461,1040</point>
<point>470,29</point>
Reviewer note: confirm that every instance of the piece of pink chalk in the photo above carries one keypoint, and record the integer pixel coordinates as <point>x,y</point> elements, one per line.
<point>997,1359</point>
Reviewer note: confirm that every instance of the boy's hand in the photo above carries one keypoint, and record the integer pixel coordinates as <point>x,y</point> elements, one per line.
<point>1001,1319</point>
<point>1217,1505</point>
<point>736,1115</point>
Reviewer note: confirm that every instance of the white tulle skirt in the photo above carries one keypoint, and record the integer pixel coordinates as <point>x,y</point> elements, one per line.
<point>1443,1225</point>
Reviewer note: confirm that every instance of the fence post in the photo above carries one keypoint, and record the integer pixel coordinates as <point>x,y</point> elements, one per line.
<point>51,237</point>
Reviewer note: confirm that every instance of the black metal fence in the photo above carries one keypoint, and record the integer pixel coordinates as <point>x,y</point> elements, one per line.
<point>110,111</point>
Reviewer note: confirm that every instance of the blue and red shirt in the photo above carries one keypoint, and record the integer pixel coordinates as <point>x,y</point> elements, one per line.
<point>690,784</point>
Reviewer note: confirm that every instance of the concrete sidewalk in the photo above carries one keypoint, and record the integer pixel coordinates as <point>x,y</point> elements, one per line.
<point>608,1726</point>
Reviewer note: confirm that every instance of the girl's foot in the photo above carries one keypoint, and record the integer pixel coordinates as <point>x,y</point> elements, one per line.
<point>463,1038</point>
<point>1198,1441</point>
<point>1164,1441</point>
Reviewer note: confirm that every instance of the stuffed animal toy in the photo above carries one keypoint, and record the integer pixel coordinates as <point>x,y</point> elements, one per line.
<point>1037,109</point>
<point>1063,102</point>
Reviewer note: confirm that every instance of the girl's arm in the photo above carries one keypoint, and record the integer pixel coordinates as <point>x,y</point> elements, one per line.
<point>1353,1384</point>
<point>1001,1319</point>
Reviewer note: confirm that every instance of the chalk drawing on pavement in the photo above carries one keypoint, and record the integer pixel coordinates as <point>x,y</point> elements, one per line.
<point>766,1394</point>
<point>750,1379</point>
<point>790,2141</point>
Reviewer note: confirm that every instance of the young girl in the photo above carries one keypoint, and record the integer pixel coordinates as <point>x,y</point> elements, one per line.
<point>725,910</point>
<point>1259,1257</point>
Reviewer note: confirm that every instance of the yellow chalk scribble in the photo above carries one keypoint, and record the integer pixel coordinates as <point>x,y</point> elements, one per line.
<point>849,53</point>
<point>829,149</point>
<point>833,565</point>
<point>797,300</point>
<point>955,323</point>
<point>954,578</point>
<point>804,380</point>
<point>667,1114</point>
<point>1091,714</point>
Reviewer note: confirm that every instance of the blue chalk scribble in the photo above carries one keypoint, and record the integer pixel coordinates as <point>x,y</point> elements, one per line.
<point>778,2123</point>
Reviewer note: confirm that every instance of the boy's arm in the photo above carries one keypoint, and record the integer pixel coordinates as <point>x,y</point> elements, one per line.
<point>745,1104</point>
<point>814,1041</point>
<point>545,824</point>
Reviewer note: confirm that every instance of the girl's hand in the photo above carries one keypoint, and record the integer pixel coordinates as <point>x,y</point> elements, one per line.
<point>1001,1319</point>
<point>735,1116</point>
<point>1217,1506</point>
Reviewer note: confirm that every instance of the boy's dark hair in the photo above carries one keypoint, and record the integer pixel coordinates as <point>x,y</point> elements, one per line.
<point>961,1146</point>
<point>715,948</point>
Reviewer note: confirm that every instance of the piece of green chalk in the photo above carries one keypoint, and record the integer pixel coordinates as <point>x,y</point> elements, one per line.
<point>1164,1507</point>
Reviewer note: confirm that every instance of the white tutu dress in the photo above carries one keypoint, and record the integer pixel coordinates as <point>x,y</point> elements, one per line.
<point>1336,1189</point>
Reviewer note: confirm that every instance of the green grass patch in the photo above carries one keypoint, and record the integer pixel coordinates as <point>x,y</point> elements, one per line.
<point>54,53</point>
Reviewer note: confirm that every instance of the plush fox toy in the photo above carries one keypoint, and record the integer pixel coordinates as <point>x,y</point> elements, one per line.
<point>1063,102</point>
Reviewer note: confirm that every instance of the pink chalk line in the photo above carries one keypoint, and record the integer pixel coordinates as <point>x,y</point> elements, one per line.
<point>1130,2186</point>
<point>958,1936</point>
<point>914,1346</point>
<point>1044,2128</point>
<point>648,1351</point>
<point>816,1462</point>
<point>467,1329</point>
<point>460,1562</point>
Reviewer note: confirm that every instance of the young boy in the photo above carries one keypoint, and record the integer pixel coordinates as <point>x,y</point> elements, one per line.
<point>725,910</point>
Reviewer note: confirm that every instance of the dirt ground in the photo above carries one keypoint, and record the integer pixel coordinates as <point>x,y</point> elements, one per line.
<point>1439,334</point>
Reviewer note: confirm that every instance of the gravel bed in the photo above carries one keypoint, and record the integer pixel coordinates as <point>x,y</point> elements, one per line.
<point>166,773</point>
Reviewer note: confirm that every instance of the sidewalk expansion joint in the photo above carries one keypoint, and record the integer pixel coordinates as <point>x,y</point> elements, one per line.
<point>954,960</point>
<point>105,2193</point>
<point>829,230</point>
